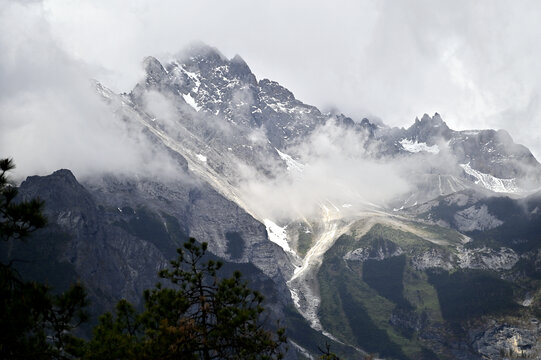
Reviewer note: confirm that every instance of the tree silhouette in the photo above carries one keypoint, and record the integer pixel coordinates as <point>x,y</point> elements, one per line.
<point>199,316</point>
<point>196,315</point>
<point>34,323</point>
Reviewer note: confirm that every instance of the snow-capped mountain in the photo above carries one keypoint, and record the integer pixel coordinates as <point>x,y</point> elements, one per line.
<point>385,263</point>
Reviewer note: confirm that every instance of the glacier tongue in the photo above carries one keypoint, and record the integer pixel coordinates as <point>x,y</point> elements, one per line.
<point>491,182</point>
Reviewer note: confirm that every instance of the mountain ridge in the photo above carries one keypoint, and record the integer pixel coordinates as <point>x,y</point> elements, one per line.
<point>271,182</point>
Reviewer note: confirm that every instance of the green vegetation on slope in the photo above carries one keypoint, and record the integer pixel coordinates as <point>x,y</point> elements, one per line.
<point>386,277</point>
<point>359,311</point>
<point>467,294</point>
<point>304,242</point>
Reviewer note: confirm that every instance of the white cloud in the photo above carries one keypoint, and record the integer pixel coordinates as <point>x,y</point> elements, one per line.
<point>336,170</point>
<point>473,62</point>
<point>50,114</point>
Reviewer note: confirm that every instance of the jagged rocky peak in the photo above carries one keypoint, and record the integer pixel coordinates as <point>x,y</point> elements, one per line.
<point>212,64</point>
<point>200,51</point>
<point>241,69</point>
<point>205,80</point>
<point>154,70</point>
<point>275,90</point>
<point>369,127</point>
<point>494,152</point>
<point>63,177</point>
<point>344,120</point>
<point>364,126</point>
<point>428,129</point>
<point>60,189</point>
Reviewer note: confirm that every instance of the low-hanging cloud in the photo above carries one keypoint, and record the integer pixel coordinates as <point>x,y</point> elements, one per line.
<point>51,116</point>
<point>333,170</point>
<point>474,62</point>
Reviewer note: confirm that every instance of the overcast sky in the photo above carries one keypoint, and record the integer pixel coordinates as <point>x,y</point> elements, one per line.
<point>474,62</point>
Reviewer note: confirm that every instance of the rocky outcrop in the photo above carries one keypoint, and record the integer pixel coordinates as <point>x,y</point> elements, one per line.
<point>505,341</point>
<point>486,259</point>
<point>433,258</point>
<point>110,261</point>
<point>379,250</point>
<point>119,232</point>
<point>476,218</point>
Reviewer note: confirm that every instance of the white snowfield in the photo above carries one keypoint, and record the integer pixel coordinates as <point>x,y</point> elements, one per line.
<point>415,147</point>
<point>491,182</point>
<point>191,101</point>
<point>292,164</point>
<point>202,158</point>
<point>277,234</point>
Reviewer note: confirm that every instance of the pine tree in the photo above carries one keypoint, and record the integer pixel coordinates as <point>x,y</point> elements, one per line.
<point>199,316</point>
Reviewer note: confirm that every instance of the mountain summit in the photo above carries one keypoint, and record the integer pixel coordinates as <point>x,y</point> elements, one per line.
<point>416,243</point>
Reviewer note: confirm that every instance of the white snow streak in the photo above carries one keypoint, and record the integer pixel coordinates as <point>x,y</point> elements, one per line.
<point>277,234</point>
<point>491,182</point>
<point>191,101</point>
<point>415,147</point>
<point>202,158</point>
<point>291,163</point>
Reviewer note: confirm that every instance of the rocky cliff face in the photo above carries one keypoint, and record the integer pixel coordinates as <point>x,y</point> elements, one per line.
<point>110,261</point>
<point>404,283</point>
<point>225,115</point>
<point>501,340</point>
<point>120,232</point>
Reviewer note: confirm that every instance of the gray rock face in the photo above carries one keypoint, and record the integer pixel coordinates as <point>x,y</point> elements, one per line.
<point>433,258</point>
<point>478,258</point>
<point>505,341</point>
<point>380,250</point>
<point>122,231</point>
<point>428,129</point>
<point>110,261</point>
<point>493,152</point>
<point>204,214</point>
<point>459,160</point>
<point>487,151</point>
<point>476,218</point>
<point>487,259</point>
<point>227,89</point>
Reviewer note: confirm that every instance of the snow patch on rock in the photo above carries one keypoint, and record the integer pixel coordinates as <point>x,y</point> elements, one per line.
<point>277,234</point>
<point>291,163</point>
<point>415,147</point>
<point>191,101</point>
<point>202,158</point>
<point>491,182</point>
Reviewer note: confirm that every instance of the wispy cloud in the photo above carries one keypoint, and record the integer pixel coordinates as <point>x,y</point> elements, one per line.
<point>51,116</point>
<point>473,62</point>
<point>333,169</point>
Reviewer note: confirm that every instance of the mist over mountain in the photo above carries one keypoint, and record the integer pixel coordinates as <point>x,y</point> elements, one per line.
<point>378,239</point>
